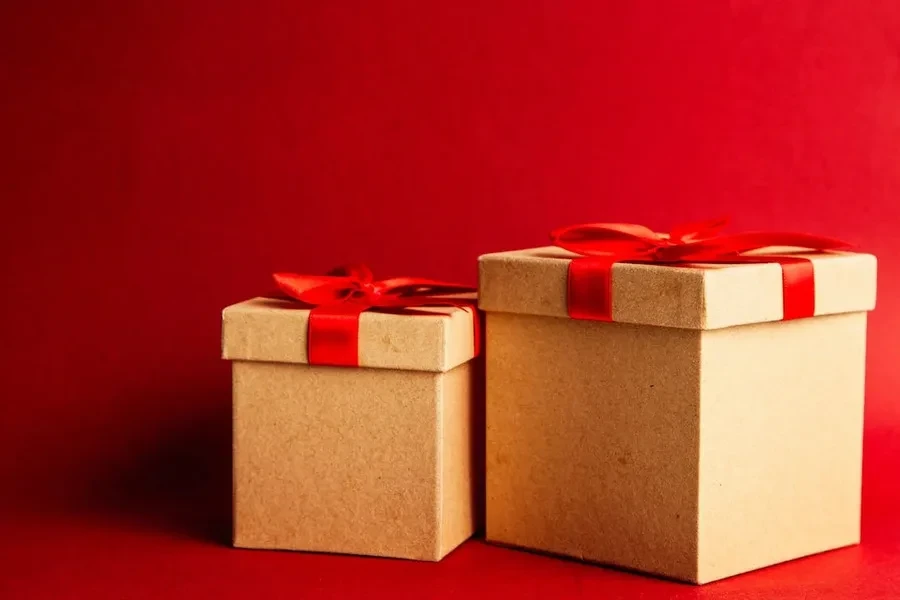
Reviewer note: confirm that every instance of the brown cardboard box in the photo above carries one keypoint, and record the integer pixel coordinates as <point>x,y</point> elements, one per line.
<point>377,459</point>
<point>697,437</point>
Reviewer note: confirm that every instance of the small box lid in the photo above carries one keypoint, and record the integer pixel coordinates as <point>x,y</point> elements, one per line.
<point>272,330</point>
<point>696,296</point>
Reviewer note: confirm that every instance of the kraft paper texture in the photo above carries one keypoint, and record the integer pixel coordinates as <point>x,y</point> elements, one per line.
<point>383,461</point>
<point>275,330</point>
<point>351,460</point>
<point>709,297</point>
<point>694,452</point>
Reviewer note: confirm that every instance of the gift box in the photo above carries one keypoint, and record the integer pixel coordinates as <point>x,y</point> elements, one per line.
<point>687,405</point>
<point>355,418</point>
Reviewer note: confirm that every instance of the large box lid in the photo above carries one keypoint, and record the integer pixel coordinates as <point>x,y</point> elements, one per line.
<point>696,296</point>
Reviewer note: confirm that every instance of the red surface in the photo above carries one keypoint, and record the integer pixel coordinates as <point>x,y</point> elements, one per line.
<point>160,159</point>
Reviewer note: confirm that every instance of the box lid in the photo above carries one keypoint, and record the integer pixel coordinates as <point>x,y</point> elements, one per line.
<point>272,330</point>
<point>695,296</point>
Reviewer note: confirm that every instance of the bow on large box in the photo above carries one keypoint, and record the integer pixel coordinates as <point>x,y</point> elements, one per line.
<point>602,245</point>
<point>337,301</point>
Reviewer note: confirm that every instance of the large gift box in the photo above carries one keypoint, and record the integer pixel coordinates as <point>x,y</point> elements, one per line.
<point>355,416</point>
<point>688,405</point>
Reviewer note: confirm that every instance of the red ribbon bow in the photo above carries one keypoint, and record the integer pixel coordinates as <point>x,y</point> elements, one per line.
<point>338,299</point>
<point>604,244</point>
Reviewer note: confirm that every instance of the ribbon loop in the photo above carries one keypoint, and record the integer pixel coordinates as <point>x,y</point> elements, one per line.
<point>607,239</point>
<point>695,232</point>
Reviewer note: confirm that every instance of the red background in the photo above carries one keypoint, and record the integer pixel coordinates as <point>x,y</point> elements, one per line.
<point>160,159</point>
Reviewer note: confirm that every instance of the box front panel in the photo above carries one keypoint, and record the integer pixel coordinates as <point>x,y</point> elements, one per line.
<point>336,459</point>
<point>592,441</point>
<point>781,441</point>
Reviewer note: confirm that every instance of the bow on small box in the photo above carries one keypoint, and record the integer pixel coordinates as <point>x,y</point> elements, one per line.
<point>338,299</point>
<point>601,245</point>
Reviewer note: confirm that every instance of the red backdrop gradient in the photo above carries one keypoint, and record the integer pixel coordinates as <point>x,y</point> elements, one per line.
<point>161,159</point>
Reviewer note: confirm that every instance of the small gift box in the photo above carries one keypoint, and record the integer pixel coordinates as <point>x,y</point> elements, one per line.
<point>354,416</point>
<point>688,405</point>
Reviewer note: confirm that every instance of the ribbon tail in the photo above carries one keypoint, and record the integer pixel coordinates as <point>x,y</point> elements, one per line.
<point>409,287</point>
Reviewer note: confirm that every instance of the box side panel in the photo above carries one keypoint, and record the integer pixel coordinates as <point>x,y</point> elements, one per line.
<point>336,460</point>
<point>592,441</point>
<point>781,441</point>
<point>461,453</point>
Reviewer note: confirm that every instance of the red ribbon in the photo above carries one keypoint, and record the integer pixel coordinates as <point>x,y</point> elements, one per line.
<point>601,245</point>
<point>338,299</point>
